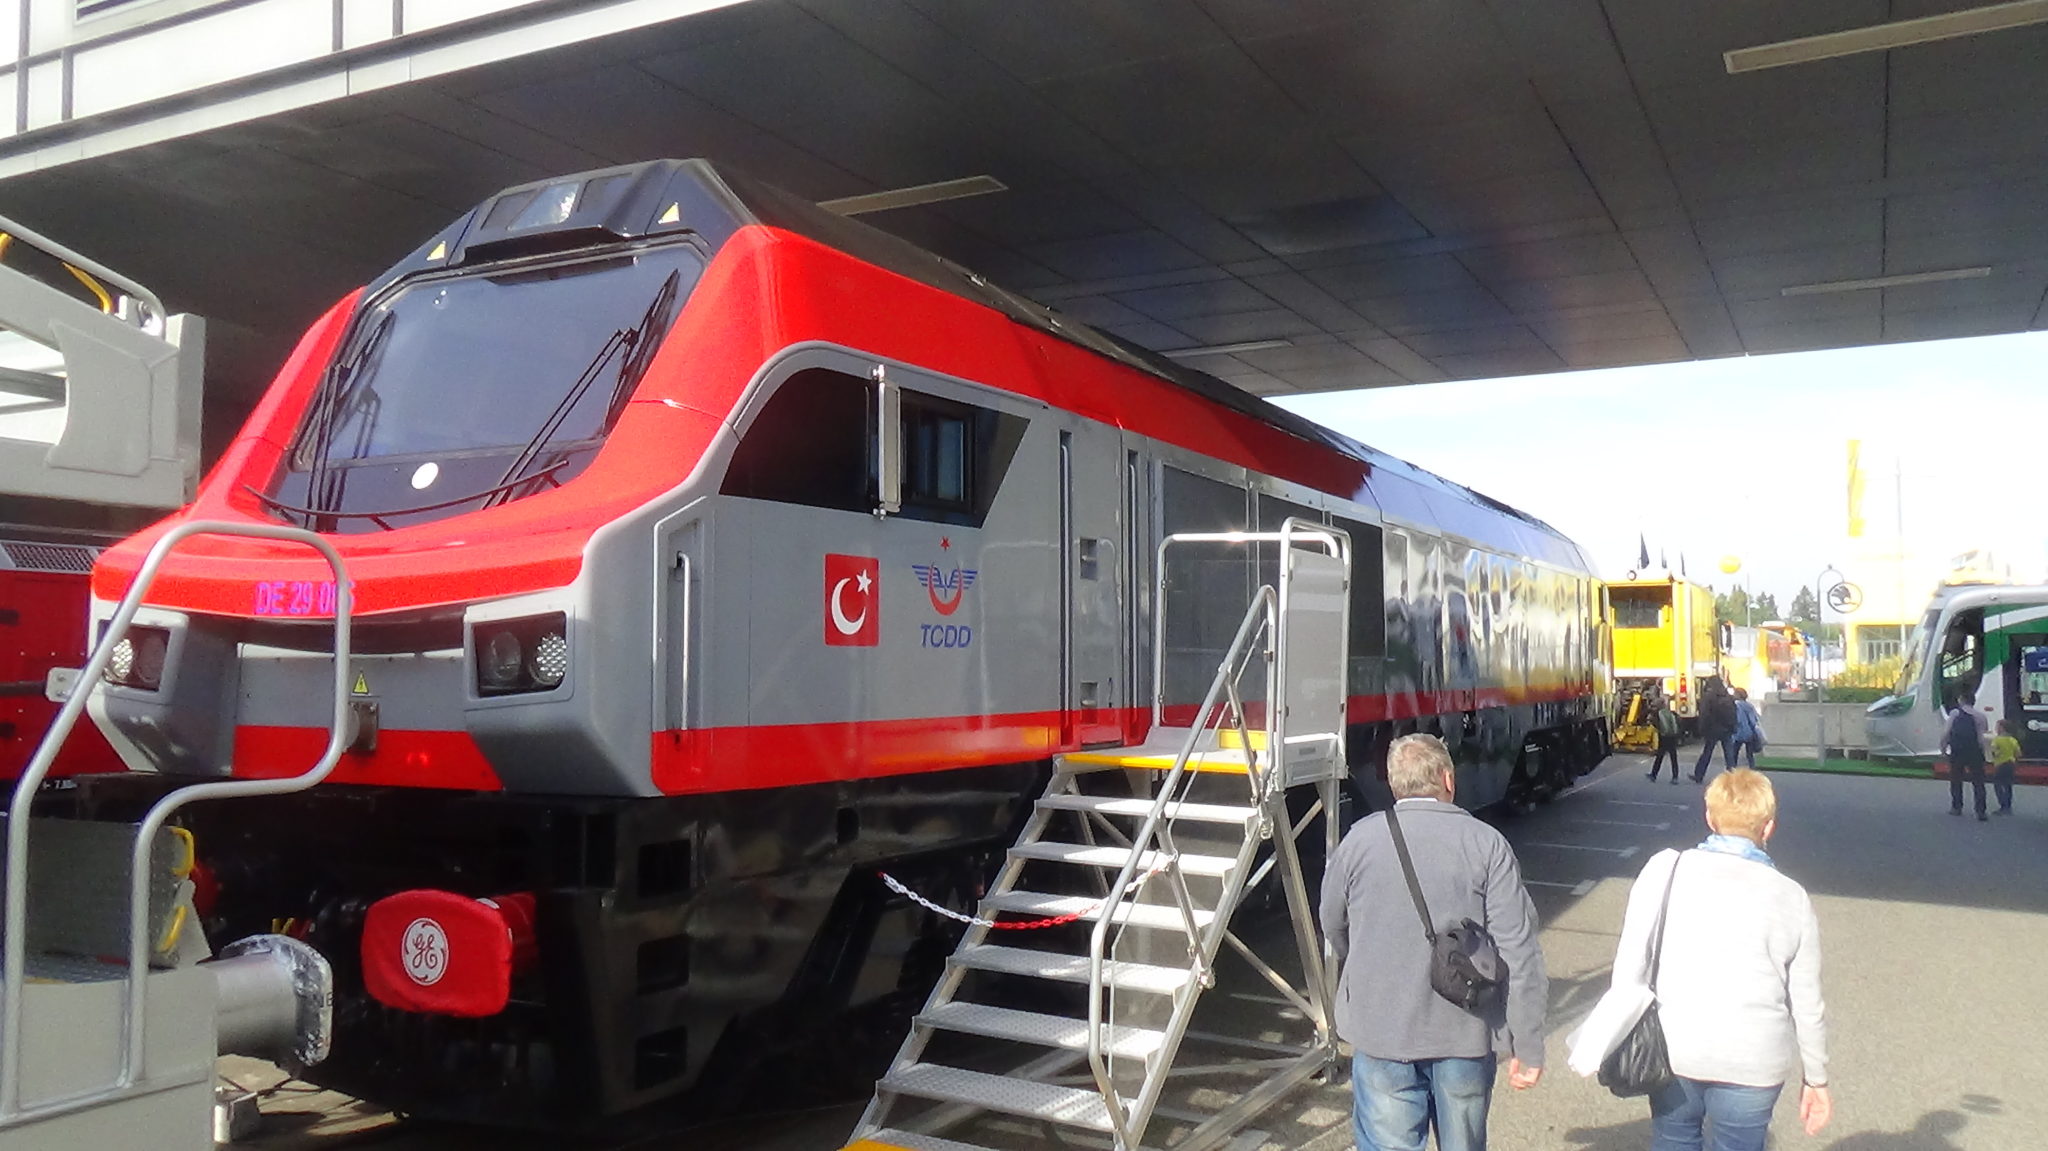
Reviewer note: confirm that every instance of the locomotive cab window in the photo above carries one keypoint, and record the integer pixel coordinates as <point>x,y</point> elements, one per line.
<point>813,443</point>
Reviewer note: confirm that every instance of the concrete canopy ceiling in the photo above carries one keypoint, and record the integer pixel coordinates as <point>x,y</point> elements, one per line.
<point>1402,190</point>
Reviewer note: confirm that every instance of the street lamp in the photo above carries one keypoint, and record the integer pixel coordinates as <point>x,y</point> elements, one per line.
<point>1820,679</point>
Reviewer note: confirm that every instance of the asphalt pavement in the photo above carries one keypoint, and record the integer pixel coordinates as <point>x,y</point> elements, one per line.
<point>1933,927</point>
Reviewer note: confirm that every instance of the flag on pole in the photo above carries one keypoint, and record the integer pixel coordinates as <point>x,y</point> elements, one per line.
<point>1643,542</point>
<point>1855,489</point>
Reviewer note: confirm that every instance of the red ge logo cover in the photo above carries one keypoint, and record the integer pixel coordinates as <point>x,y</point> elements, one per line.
<point>852,595</point>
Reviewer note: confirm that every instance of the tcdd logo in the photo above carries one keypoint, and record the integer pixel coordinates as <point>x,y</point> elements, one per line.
<point>945,635</point>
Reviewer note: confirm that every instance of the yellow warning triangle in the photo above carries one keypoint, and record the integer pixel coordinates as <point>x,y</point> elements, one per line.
<point>440,251</point>
<point>362,686</point>
<point>673,214</point>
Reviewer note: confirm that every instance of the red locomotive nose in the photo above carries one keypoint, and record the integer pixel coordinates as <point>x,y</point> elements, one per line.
<point>438,953</point>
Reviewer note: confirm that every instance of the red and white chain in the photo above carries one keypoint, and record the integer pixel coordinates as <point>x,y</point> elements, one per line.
<point>896,885</point>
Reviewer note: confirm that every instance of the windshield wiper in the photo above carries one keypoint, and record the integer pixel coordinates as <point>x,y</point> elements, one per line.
<point>639,344</point>
<point>342,392</point>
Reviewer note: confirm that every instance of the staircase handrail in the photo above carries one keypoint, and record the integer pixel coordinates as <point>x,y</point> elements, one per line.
<point>152,322</point>
<point>1258,619</point>
<point>13,935</point>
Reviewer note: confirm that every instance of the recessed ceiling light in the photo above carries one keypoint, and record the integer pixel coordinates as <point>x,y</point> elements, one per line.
<point>1226,349</point>
<point>914,195</point>
<point>1822,289</point>
<point>1879,37</point>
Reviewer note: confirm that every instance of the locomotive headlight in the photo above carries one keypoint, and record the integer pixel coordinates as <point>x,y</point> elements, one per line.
<point>138,658</point>
<point>121,664</point>
<point>549,660</point>
<point>499,663</point>
<point>521,655</point>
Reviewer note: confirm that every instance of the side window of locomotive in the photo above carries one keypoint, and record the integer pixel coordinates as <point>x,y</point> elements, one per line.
<point>1368,589</point>
<point>809,444</point>
<point>954,458</point>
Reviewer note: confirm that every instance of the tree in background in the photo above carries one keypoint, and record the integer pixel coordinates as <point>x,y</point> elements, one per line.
<point>1739,608</point>
<point>1805,608</point>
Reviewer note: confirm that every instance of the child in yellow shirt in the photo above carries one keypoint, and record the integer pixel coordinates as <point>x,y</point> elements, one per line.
<point>2005,749</point>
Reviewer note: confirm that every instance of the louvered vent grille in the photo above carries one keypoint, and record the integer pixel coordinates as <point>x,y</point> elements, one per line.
<point>41,557</point>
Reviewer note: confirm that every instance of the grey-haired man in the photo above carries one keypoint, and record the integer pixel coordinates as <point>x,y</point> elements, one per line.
<point>1416,1056</point>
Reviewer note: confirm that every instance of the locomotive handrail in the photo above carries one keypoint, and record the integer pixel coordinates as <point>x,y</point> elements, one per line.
<point>13,936</point>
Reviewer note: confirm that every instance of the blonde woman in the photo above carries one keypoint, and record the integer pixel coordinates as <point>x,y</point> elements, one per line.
<point>1738,987</point>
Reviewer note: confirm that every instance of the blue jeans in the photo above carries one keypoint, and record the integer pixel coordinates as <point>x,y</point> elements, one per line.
<point>1738,1116</point>
<point>1395,1103</point>
<point>1707,745</point>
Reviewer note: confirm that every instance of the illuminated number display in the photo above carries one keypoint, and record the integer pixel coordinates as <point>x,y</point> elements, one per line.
<point>293,597</point>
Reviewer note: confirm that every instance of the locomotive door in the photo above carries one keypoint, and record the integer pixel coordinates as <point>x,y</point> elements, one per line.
<point>1092,543</point>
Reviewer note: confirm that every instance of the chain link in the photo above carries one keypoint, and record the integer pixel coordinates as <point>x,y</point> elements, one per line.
<point>896,885</point>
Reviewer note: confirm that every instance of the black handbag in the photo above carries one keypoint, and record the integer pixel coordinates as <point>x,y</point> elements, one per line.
<point>1464,964</point>
<point>1642,1063</point>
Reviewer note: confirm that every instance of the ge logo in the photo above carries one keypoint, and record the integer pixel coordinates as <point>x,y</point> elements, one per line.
<point>1845,597</point>
<point>424,952</point>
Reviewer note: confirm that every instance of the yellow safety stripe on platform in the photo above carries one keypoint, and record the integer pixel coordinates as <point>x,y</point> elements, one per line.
<point>1158,762</point>
<point>871,1145</point>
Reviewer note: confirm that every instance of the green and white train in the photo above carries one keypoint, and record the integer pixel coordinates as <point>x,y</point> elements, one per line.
<point>1990,643</point>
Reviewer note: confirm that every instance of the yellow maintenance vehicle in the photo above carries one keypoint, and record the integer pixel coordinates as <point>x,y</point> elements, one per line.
<point>1666,641</point>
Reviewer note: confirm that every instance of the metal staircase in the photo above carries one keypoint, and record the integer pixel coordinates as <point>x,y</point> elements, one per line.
<point>1072,1022</point>
<point>109,1027</point>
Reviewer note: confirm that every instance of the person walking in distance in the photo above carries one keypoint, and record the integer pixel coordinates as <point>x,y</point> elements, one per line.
<point>1749,727</point>
<point>1420,1060</point>
<point>1737,978</point>
<point>2005,752</point>
<point>1717,726</point>
<point>1665,721</point>
<point>1963,743</point>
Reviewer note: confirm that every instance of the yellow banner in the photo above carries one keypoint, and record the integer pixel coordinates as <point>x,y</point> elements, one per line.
<point>1855,489</point>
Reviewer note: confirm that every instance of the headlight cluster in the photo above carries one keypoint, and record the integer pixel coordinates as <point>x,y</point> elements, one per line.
<point>521,655</point>
<point>138,659</point>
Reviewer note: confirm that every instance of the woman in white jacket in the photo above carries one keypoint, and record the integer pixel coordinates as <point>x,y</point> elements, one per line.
<point>1738,989</point>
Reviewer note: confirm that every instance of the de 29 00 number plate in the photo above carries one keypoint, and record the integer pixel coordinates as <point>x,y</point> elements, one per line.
<point>294,597</point>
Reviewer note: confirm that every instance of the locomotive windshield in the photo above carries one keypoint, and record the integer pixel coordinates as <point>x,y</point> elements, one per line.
<point>466,390</point>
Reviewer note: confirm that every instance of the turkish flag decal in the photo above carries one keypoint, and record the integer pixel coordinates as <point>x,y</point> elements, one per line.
<point>853,594</point>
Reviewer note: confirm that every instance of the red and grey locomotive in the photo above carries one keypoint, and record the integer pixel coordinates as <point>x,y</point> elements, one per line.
<point>710,552</point>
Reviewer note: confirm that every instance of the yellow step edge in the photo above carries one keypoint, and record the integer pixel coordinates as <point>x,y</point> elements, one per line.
<point>1158,761</point>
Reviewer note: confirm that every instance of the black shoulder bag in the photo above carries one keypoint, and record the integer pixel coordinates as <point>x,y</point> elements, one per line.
<point>1464,964</point>
<point>1642,1064</point>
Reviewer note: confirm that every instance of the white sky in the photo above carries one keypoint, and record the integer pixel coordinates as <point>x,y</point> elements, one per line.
<point>1748,456</point>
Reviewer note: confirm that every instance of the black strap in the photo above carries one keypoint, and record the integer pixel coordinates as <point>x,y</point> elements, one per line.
<point>1408,870</point>
<point>1657,935</point>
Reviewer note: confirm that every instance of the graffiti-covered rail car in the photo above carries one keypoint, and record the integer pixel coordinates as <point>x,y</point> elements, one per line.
<point>711,551</point>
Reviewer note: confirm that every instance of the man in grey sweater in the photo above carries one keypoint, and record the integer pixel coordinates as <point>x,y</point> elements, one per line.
<point>1415,1054</point>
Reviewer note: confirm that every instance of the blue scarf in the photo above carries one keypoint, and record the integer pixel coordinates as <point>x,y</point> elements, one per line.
<point>1736,845</point>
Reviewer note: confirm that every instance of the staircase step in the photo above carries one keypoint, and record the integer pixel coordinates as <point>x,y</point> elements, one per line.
<point>888,1139</point>
<point>1043,1030</point>
<point>1067,1106</point>
<point>1122,975</point>
<point>1166,917</point>
<point>1229,761</point>
<point>1093,855</point>
<point>1139,808</point>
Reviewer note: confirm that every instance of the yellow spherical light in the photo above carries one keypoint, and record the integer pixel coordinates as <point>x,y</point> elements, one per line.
<point>1731,564</point>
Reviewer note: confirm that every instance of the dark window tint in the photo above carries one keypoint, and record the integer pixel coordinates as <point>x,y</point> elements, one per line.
<point>1368,590</point>
<point>954,458</point>
<point>1638,607</point>
<point>809,444</point>
<point>813,444</point>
